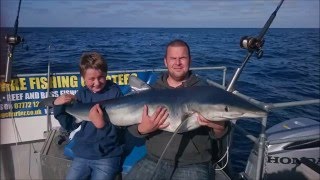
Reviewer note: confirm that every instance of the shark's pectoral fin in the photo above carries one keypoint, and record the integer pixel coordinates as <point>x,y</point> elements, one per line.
<point>187,115</point>
<point>190,121</point>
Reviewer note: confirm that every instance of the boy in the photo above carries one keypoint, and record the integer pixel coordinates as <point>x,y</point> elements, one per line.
<point>97,148</point>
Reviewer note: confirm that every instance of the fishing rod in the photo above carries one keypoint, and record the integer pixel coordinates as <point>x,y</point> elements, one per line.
<point>253,45</point>
<point>12,41</point>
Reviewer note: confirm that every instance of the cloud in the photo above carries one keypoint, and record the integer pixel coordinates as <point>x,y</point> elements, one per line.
<point>160,13</point>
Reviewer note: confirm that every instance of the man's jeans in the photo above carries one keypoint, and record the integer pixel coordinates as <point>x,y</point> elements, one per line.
<point>144,170</point>
<point>106,169</point>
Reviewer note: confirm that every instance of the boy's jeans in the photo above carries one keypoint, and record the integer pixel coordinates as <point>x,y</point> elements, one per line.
<point>106,169</point>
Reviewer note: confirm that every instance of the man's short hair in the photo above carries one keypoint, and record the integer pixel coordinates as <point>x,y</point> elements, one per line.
<point>178,43</point>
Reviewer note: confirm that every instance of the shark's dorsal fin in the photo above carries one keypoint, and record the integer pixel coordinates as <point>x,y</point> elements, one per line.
<point>137,85</point>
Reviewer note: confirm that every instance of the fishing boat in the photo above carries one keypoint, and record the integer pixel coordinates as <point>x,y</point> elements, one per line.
<point>38,149</point>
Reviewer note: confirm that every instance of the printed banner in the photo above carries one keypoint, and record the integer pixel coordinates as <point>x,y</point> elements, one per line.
<point>21,97</point>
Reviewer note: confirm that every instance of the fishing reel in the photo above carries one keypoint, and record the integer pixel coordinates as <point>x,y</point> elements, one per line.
<point>253,45</point>
<point>13,39</point>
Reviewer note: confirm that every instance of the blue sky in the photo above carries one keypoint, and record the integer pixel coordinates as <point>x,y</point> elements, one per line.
<point>160,13</point>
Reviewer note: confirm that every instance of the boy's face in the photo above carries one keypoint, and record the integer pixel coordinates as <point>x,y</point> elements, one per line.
<point>94,79</point>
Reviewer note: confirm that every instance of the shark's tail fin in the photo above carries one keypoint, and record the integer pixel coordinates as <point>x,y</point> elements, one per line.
<point>137,85</point>
<point>47,102</point>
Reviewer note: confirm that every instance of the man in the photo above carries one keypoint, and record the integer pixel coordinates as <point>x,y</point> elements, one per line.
<point>190,154</point>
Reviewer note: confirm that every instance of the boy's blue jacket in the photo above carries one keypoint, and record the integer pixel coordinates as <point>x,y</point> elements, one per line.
<point>91,142</point>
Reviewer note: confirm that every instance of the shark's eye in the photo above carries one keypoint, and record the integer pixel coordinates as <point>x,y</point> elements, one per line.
<point>226,109</point>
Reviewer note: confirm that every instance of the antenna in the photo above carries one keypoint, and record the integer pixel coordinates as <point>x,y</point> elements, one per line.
<point>12,41</point>
<point>252,44</point>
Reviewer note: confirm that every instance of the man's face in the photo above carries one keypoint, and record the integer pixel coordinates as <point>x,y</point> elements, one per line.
<point>178,62</point>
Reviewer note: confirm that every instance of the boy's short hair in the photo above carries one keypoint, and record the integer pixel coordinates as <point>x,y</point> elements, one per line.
<point>92,60</point>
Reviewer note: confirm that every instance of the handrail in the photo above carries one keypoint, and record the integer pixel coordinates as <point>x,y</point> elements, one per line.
<point>223,68</point>
<point>271,106</point>
<point>123,71</point>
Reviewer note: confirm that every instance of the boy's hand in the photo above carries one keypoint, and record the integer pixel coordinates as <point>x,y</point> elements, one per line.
<point>96,116</point>
<point>64,99</point>
<point>155,121</point>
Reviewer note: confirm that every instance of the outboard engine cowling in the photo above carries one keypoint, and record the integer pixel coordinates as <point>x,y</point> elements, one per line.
<point>288,144</point>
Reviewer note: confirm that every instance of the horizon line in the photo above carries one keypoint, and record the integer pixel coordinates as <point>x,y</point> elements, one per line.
<point>164,27</point>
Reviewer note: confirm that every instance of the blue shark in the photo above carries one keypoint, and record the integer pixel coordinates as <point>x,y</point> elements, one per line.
<point>182,104</point>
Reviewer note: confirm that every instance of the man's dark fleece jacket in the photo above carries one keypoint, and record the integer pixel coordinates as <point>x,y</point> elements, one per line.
<point>90,142</point>
<point>196,146</point>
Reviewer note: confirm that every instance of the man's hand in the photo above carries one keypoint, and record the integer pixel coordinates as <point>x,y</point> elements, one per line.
<point>64,99</point>
<point>96,116</point>
<point>155,121</point>
<point>217,126</point>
